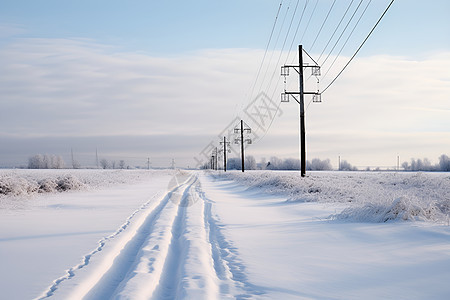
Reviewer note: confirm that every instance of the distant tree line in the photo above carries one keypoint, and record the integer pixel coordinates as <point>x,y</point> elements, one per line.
<point>276,163</point>
<point>317,164</point>
<point>105,164</point>
<point>425,164</point>
<point>45,161</point>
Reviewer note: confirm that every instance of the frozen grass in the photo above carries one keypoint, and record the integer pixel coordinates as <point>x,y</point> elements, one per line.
<point>371,197</point>
<point>18,183</point>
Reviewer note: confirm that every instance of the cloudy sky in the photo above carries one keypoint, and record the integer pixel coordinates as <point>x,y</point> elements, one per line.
<point>167,80</point>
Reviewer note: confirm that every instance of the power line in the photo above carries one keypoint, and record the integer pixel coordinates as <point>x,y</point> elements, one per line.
<point>279,58</point>
<point>359,48</point>
<point>348,38</point>
<point>343,31</point>
<point>267,47</point>
<point>309,21</point>
<point>296,30</point>
<point>321,27</point>
<point>337,27</point>
<point>276,42</point>
<point>282,48</point>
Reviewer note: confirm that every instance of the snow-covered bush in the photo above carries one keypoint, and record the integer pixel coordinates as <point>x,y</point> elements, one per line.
<point>47,185</point>
<point>68,182</point>
<point>291,164</point>
<point>45,161</point>
<point>402,209</point>
<point>250,163</point>
<point>319,165</point>
<point>346,166</point>
<point>444,163</point>
<point>425,164</point>
<point>17,186</point>
<point>234,163</point>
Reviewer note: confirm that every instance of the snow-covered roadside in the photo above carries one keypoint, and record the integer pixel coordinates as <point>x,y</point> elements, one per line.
<point>293,250</point>
<point>370,196</point>
<point>193,235</point>
<point>43,236</point>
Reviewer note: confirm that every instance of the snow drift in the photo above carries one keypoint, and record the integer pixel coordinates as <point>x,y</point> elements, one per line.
<point>369,197</point>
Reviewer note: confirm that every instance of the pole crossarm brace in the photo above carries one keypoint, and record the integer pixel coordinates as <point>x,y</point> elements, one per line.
<point>285,96</point>
<point>285,69</point>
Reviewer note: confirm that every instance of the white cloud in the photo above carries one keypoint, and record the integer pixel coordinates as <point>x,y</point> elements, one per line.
<point>76,87</point>
<point>381,107</point>
<point>10,30</point>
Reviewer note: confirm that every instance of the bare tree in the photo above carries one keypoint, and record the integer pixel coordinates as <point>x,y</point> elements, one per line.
<point>104,163</point>
<point>444,163</point>
<point>40,161</point>
<point>122,164</point>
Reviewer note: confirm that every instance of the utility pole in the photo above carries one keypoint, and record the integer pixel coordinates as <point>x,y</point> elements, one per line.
<point>173,163</point>
<point>214,159</point>
<point>242,144</point>
<point>96,157</point>
<point>224,143</point>
<point>301,100</point>
<point>249,141</point>
<point>73,161</point>
<point>217,160</point>
<point>148,163</point>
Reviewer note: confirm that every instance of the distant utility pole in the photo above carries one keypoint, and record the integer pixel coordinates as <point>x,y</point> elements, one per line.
<point>73,161</point>
<point>173,163</point>
<point>316,98</point>
<point>217,159</point>
<point>96,157</point>
<point>214,159</point>
<point>249,141</point>
<point>225,143</point>
<point>148,163</point>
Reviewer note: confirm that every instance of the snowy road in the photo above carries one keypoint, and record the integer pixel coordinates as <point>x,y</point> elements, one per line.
<point>175,251</point>
<point>193,236</point>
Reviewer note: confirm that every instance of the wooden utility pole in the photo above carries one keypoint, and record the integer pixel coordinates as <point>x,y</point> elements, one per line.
<point>242,141</point>
<point>242,144</point>
<point>217,160</point>
<point>225,153</point>
<point>302,114</point>
<point>96,158</point>
<point>301,100</point>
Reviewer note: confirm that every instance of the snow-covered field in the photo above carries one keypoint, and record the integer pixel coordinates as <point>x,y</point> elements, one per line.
<point>94,234</point>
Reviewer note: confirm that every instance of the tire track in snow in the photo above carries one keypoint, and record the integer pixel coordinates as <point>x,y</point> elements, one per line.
<point>161,249</point>
<point>177,250</point>
<point>229,268</point>
<point>188,270</point>
<point>71,272</point>
<point>111,279</point>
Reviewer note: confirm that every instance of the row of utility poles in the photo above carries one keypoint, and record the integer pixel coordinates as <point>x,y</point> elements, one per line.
<point>243,128</point>
<point>299,97</point>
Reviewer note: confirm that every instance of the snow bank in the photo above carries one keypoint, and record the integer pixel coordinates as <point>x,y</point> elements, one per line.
<point>29,182</point>
<point>370,197</point>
